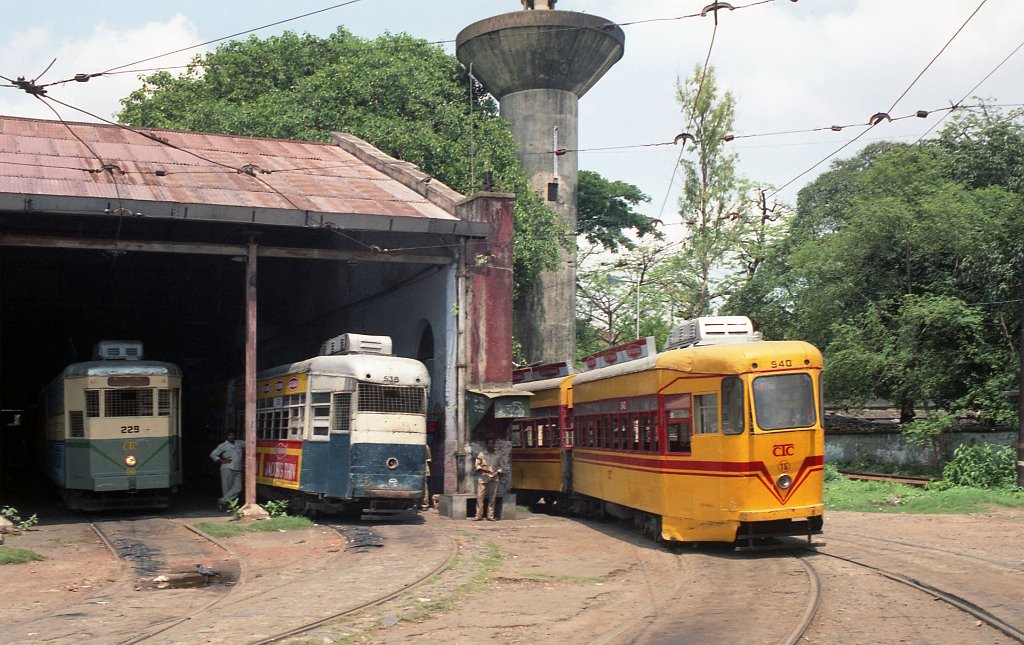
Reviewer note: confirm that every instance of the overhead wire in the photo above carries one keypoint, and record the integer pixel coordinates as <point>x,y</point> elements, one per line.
<point>700,86</point>
<point>78,77</point>
<point>882,116</point>
<point>971,91</point>
<point>713,7</point>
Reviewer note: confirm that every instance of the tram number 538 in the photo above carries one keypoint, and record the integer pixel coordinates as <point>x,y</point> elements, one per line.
<point>129,429</point>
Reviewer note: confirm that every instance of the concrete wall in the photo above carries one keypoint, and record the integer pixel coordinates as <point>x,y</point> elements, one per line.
<point>890,448</point>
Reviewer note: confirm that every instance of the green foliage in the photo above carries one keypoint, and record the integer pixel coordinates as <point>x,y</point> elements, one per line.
<point>982,466</point>
<point>401,94</point>
<point>903,264</point>
<point>276,508</point>
<point>9,555</point>
<point>721,233</point>
<point>235,508</point>
<point>604,210</point>
<point>11,514</point>
<point>832,473</point>
<point>609,299</point>
<point>924,432</point>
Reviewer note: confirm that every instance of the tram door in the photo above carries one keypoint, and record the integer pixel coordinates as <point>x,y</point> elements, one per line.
<point>339,451</point>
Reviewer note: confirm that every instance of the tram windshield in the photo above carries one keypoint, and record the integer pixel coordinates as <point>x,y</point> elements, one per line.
<point>783,401</point>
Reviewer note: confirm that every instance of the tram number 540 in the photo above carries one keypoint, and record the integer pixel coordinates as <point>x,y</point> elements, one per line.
<point>129,429</point>
<point>786,362</point>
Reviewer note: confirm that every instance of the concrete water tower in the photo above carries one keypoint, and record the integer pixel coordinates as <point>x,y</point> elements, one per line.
<point>538,62</point>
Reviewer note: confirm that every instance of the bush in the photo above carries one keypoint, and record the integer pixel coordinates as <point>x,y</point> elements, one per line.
<point>982,466</point>
<point>832,473</point>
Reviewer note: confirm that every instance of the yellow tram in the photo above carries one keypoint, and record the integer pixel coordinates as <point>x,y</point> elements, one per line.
<point>716,439</point>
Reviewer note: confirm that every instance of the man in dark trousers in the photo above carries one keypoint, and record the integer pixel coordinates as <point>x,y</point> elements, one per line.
<point>488,469</point>
<point>229,455</point>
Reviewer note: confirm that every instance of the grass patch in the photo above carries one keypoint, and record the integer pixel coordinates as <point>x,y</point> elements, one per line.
<point>10,555</point>
<point>887,497</point>
<point>233,529</point>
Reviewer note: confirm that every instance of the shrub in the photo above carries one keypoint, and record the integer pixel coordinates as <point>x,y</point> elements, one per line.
<point>982,466</point>
<point>832,473</point>
<point>276,508</point>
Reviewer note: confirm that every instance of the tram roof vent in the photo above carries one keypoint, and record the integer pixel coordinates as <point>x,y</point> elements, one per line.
<point>117,350</point>
<point>356,344</point>
<point>712,330</point>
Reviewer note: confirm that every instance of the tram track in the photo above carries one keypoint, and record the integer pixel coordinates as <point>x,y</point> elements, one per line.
<point>951,599</point>
<point>152,588</point>
<point>746,579</point>
<point>422,578</point>
<point>955,567</point>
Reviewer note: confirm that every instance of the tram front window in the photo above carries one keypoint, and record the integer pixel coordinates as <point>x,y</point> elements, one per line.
<point>783,401</point>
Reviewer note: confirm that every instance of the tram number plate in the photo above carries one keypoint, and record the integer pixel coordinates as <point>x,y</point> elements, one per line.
<point>129,445</point>
<point>129,429</point>
<point>785,362</point>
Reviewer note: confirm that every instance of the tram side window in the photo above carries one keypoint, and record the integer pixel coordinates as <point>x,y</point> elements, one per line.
<point>321,414</point>
<point>92,403</point>
<point>516,435</point>
<point>677,421</point>
<point>340,423</point>
<point>650,433</point>
<point>705,420</point>
<point>552,438</point>
<point>732,405</point>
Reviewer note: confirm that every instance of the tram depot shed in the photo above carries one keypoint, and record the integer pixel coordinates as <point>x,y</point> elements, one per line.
<point>228,254</point>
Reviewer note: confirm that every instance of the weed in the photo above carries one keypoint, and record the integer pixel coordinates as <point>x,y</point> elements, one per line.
<point>235,508</point>
<point>276,508</point>
<point>11,514</point>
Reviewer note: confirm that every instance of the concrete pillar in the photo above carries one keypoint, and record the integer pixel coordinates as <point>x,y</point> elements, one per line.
<point>538,63</point>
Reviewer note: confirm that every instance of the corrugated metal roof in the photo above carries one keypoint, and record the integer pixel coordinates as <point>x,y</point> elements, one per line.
<point>52,160</point>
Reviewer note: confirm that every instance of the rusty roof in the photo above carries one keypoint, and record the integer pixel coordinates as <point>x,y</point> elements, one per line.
<point>94,168</point>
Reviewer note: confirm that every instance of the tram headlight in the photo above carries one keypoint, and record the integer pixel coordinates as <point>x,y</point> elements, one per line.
<point>130,461</point>
<point>784,481</point>
<point>391,463</point>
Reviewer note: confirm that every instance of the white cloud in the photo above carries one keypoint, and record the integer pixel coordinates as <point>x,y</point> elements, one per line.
<point>107,45</point>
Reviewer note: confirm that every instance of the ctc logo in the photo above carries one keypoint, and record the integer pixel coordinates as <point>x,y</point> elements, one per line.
<point>782,450</point>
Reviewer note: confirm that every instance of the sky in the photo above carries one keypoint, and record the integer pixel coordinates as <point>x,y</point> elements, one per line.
<point>791,66</point>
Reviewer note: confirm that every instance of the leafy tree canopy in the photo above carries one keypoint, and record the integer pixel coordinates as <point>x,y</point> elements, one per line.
<point>904,264</point>
<point>605,211</point>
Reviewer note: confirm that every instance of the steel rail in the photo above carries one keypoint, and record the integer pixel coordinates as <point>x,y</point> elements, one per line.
<point>955,601</point>
<point>453,550</point>
<point>796,636</point>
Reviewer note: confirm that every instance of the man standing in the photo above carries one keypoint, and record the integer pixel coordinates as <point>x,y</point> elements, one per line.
<point>229,456</point>
<point>488,468</point>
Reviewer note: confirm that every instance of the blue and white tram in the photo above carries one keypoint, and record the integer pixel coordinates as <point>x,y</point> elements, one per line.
<point>343,432</point>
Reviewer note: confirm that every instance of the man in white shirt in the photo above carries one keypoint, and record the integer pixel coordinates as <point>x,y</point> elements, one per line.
<point>230,457</point>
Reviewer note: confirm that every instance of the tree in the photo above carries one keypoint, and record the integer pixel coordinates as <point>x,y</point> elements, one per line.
<point>618,299</point>
<point>713,208</point>
<point>401,94</point>
<point>890,265</point>
<point>604,211</point>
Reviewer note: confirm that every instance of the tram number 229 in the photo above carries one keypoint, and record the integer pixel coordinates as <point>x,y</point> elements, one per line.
<point>129,429</point>
<point>785,362</point>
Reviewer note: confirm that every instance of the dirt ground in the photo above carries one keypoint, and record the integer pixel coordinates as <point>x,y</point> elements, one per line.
<point>532,579</point>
